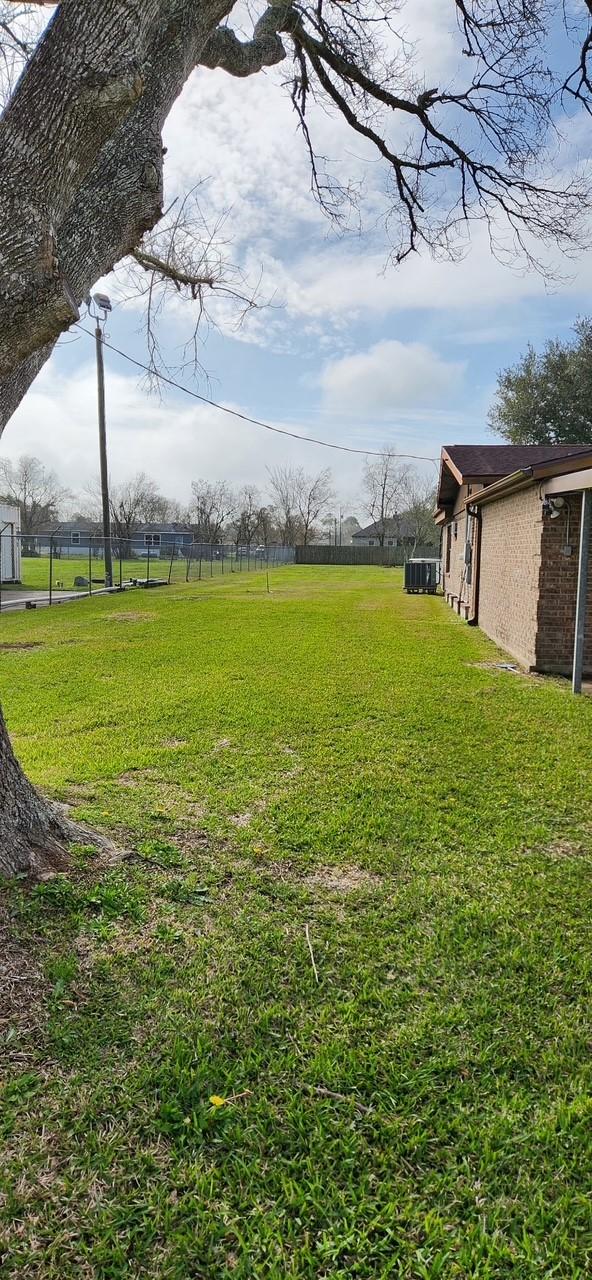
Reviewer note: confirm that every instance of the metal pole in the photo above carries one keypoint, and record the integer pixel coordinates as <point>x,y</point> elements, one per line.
<point>582,591</point>
<point>103,458</point>
<point>211,560</point>
<point>171,562</point>
<point>50,567</point>
<point>2,533</point>
<point>90,564</point>
<point>148,565</point>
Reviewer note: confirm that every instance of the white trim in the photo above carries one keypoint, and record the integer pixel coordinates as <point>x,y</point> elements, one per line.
<point>567,484</point>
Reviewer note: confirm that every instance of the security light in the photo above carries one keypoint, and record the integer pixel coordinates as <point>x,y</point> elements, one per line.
<point>553,507</point>
<point>102,301</point>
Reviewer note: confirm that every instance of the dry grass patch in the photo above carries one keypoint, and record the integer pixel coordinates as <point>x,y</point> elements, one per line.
<point>343,880</point>
<point>241,819</point>
<point>567,849</point>
<point>137,615</point>
<point>19,645</point>
<point>23,985</point>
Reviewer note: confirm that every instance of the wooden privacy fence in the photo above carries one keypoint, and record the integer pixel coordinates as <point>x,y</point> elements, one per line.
<point>362,555</point>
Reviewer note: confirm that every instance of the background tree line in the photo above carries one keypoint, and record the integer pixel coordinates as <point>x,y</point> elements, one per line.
<point>295,507</point>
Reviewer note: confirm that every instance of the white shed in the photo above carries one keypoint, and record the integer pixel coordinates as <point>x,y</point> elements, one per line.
<point>10,546</point>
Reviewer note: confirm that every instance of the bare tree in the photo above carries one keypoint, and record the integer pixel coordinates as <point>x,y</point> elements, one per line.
<point>136,501</point>
<point>250,520</point>
<point>268,526</point>
<point>419,498</point>
<point>132,503</point>
<point>81,158</point>
<point>384,484</point>
<point>212,504</point>
<point>34,489</point>
<point>300,501</point>
<point>313,496</point>
<point>89,181</point>
<point>282,485</point>
<point>185,256</point>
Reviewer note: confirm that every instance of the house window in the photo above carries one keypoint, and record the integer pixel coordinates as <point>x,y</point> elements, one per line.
<point>151,539</point>
<point>390,542</point>
<point>371,542</point>
<point>75,539</point>
<point>448,547</point>
<point>455,529</point>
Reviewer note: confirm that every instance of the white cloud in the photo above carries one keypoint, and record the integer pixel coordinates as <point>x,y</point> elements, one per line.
<point>391,376</point>
<point>173,441</point>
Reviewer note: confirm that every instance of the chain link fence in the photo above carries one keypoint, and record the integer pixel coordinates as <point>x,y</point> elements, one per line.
<point>49,569</point>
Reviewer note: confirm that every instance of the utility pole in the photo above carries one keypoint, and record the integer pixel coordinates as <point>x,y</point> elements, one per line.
<point>103,302</point>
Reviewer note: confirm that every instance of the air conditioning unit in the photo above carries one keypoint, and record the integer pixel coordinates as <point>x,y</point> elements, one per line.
<point>422,576</point>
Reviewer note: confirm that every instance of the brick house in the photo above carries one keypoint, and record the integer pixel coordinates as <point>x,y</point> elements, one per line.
<point>513,558</point>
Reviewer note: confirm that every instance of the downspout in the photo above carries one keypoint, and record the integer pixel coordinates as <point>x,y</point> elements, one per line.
<point>475,512</point>
<point>582,591</point>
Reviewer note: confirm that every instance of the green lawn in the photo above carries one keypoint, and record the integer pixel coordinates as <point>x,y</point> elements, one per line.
<point>335,755</point>
<point>36,571</point>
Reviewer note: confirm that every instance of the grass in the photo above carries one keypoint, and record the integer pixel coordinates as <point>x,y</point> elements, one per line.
<point>334,754</point>
<point>36,571</point>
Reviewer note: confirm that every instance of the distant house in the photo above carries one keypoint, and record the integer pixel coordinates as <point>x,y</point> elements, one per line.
<point>10,548</point>
<point>77,537</point>
<point>161,538</point>
<point>399,531</point>
<point>514,554</point>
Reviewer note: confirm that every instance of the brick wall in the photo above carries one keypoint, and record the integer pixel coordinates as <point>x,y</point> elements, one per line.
<point>557,603</point>
<point>510,570</point>
<point>457,583</point>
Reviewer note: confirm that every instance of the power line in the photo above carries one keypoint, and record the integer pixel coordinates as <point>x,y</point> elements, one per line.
<point>244,417</point>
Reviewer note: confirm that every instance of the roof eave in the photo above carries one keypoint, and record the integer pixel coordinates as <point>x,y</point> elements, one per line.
<point>500,488</point>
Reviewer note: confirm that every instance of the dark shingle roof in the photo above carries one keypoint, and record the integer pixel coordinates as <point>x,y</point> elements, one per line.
<point>481,460</point>
<point>394,527</point>
<point>490,462</point>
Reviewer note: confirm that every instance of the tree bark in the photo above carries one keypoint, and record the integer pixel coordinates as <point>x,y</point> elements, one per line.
<point>34,834</point>
<point>66,235</point>
<point>81,162</point>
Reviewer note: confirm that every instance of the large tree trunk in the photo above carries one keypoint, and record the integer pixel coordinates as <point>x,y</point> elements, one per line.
<point>34,834</point>
<point>68,215</point>
<point>81,161</point>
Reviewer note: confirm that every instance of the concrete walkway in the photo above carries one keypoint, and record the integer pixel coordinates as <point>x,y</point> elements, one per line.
<point>18,598</point>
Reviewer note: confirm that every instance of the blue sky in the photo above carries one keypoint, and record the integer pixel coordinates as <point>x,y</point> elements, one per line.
<point>349,350</point>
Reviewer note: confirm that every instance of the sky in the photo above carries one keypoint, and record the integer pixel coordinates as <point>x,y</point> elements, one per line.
<point>344,347</point>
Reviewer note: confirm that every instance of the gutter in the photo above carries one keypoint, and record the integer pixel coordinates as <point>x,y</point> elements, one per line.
<point>538,471</point>
<point>508,484</point>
